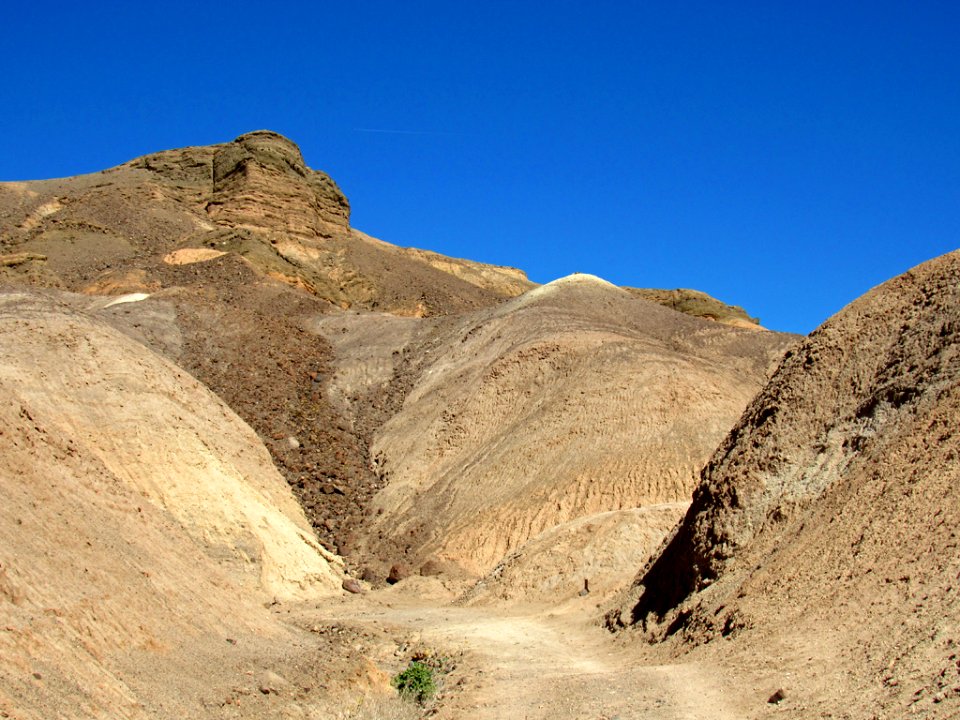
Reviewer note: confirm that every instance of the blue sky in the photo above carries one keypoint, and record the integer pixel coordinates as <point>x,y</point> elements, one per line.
<point>782,156</point>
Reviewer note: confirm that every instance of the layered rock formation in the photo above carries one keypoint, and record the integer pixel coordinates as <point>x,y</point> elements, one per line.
<point>253,197</point>
<point>261,182</point>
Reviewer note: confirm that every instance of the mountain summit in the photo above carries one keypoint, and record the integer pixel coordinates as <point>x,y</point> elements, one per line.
<point>255,198</point>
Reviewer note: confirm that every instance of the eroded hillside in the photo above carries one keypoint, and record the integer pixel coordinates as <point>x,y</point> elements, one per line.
<point>574,399</point>
<point>238,248</point>
<point>432,416</point>
<point>823,533</point>
<point>140,514</point>
<point>253,197</point>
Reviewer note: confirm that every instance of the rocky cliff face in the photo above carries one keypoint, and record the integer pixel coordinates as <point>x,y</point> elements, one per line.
<point>261,182</point>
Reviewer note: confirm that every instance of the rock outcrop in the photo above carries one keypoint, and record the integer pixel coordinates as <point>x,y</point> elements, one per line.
<point>253,197</point>
<point>261,182</point>
<point>699,304</point>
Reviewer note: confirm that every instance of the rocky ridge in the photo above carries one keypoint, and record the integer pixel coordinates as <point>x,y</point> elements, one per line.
<point>825,523</point>
<point>257,198</point>
<point>253,197</point>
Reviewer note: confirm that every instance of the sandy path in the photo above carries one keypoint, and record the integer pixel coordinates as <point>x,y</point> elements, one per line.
<point>531,666</point>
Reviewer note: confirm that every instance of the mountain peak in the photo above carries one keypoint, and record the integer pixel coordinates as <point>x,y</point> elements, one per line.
<point>264,146</point>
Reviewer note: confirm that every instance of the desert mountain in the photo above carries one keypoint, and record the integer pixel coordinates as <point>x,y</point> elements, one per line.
<point>823,534</point>
<point>236,246</point>
<point>196,337</point>
<point>113,231</point>
<point>239,247</point>
<point>118,231</point>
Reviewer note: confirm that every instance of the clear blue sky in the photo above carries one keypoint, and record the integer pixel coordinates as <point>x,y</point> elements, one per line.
<point>781,156</point>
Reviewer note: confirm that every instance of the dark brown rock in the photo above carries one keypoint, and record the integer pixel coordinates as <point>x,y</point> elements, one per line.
<point>398,571</point>
<point>352,585</point>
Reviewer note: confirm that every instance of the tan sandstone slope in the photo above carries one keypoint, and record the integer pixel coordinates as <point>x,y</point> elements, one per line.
<point>823,538</point>
<point>140,517</point>
<point>574,399</point>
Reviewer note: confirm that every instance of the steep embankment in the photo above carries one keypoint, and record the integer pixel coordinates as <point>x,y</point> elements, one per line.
<point>140,516</point>
<point>824,530</point>
<point>574,399</point>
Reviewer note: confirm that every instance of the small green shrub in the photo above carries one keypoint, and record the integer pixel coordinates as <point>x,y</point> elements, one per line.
<point>416,682</point>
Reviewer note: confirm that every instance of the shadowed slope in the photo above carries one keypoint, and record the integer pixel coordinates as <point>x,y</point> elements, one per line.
<point>590,557</point>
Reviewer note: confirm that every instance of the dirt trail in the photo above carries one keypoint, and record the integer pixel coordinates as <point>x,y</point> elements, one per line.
<point>528,664</point>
